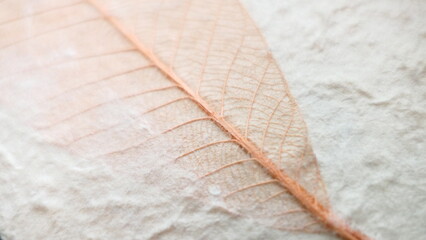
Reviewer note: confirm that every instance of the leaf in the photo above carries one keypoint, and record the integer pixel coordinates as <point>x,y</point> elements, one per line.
<point>109,79</point>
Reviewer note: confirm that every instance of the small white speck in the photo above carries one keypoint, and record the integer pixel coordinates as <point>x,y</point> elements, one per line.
<point>70,52</point>
<point>214,190</point>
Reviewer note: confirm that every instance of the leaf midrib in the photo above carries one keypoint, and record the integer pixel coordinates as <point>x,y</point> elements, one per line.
<point>306,199</point>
